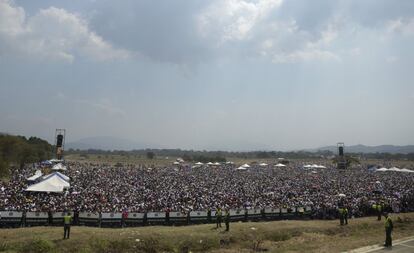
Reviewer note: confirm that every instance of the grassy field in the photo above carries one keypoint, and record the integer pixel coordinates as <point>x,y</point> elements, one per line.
<point>275,236</point>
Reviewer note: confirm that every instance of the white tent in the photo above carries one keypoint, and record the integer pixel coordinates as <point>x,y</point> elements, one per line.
<point>59,166</point>
<point>229,162</point>
<point>263,164</point>
<point>241,168</point>
<point>280,165</point>
<point>321,167</point>
<point>199,163</point>
<point>52,183</point>
<point>64,177</point>
<point>209,163</point>
<point>394,169</point>
<point>176,163</point>
<point>216,163</point>
<point>37,174</point>
<point>55,161</point>
<point>407,170</point>
<point>245,165</point>
<point>307,166</point>
<point>382,169</point>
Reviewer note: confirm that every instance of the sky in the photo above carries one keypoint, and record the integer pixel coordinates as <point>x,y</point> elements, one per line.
<point>210,74</point>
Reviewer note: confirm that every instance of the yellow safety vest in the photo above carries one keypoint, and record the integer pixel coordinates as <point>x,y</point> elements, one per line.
<point>388,222</point>
<point>67,219</point>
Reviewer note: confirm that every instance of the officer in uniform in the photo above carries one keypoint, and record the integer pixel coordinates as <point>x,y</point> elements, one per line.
<point>67,220</point>
<point>341,215</point>
<point>379,211</point>
<point>218,217</point>
<point>388,230</point>
<point>345,209</point>
<point>227,219</point>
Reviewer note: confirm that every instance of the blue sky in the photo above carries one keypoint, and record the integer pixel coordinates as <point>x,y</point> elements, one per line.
<point>219,74</point>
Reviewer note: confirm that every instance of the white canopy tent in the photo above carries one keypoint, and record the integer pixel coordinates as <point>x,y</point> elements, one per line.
<point>59,166</point>
<point>263,164</point>
<point>199,163</point>
<point>37,174</point>
<point>394,169</point>
<point>176,163</point>
<point>52,183</point>
<point>382,169</point>
<point>407,170</point>
<point>280,165</point>
<point>241,168</point>
<point>217,164</point>
<point>209,163</point>
<point>245,165</point>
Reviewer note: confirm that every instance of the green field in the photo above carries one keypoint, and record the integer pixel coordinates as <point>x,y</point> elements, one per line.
<point>275,236</point>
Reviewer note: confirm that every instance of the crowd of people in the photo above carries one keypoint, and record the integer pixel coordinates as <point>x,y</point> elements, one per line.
<point>138,188</point>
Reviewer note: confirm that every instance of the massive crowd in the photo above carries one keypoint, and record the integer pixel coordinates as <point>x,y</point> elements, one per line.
<point>137,188</point>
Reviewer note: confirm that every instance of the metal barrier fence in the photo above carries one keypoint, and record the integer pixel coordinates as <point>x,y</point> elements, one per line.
<point>20,219</point>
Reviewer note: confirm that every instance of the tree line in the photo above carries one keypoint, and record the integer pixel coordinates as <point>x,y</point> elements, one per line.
<point>17,150</point>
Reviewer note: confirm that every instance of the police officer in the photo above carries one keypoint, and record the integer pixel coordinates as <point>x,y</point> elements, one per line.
<point>218,217</point>
<point>379,211</point>
<point>345,215</point>
<point>227,219</point>
<point>67,220</point>
<point>341,215</point>
<point>388,230</point>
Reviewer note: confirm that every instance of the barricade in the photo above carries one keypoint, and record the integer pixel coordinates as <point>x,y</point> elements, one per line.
<point>300,212</point>
<point>178,218</point>
<point>11,219</point>
<point>156,218</point>
<point>288,213</point>
<point>135,219</point>
<point>198,216</point>
<point>89,219</point>
<point>272,213</point>
<point>37,219</point>
<point>57,218</point>
<point>111,219</point>
<point>308,210</point>
<point>254,214</point>
<point>237,215</point>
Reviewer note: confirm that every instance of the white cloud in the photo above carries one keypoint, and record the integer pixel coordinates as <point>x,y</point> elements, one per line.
<point>305,55</point>
<point>400,25</point>
<point>233,19</point>
<point>52,33</point>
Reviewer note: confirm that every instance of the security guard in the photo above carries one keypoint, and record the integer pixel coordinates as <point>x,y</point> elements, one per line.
<point>218,217</point>
<point>388,230</point>
<point>341,215</point>
<point>379,210</point>
<point>346,215</point>
<point>67,220</point>
<point>227,219</point>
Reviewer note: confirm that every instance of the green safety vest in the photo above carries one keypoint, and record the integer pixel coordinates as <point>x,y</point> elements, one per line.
<point>67,219</point>
<point>218,212</point>
<point>388,222</point>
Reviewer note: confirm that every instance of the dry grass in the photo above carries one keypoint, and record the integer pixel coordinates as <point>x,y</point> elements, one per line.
<point>276,236</point>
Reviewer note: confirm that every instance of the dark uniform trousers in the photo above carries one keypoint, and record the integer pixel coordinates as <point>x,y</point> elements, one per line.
<point>388,239</point>
<point>66,231</point>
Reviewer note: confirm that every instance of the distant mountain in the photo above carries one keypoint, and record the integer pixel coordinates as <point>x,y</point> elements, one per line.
<point>392,149</point>
<point>107,143</point>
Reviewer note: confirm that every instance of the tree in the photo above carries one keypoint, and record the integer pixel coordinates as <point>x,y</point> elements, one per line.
<point>150,155</point>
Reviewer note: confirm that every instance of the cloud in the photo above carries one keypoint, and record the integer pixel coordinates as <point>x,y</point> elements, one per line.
<point>103,105</point>
<point>233,19</point>
<point>404,26</point>
<point>52,33</point>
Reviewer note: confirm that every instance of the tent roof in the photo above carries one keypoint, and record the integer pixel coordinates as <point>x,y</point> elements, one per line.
<point>199,163</point>
<point>281,165</point>
<point>241,168</point>
<point>263,164</point>
<point>37,174</point>
<point>59,166</point>
<point>52,183</point>
<point>245,165</point>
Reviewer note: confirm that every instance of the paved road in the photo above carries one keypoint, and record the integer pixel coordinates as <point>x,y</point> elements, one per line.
<point>400,246</point>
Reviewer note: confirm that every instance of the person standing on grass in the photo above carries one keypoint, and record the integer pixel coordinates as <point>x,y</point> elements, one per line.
<point>388,230</point>
<point>67,220</point>
<point>227,219</point>
<point>218,217</point>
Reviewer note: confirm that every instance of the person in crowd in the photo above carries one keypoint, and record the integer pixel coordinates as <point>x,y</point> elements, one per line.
<point>227,219</point>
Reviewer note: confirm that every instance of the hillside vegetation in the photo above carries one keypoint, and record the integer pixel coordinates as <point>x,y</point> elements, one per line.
<point>275,236</point>
<point>18,150</point>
